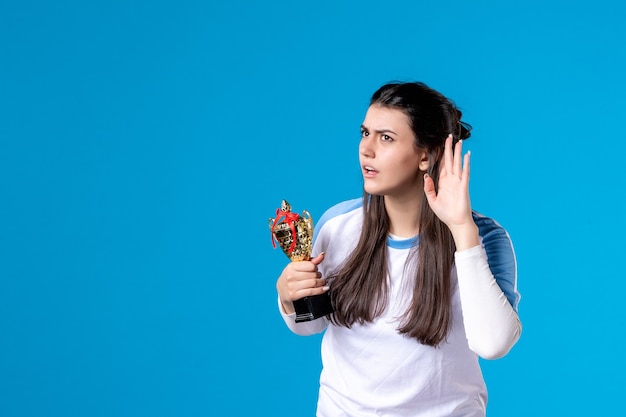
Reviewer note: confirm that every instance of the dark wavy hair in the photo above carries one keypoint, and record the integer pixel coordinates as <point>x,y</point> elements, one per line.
<point>359,286</point>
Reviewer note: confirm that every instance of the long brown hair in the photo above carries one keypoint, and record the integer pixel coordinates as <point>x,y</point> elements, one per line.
<point>359,286</point>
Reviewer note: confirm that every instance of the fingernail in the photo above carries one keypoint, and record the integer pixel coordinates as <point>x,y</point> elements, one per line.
<point>326,288</point>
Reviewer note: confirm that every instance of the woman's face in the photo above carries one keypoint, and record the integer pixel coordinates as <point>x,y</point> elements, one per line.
<point>391,163</point>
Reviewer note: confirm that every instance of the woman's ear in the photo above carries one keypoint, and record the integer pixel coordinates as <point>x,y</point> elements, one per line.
<point>427,158</point>
<point>424,161</point>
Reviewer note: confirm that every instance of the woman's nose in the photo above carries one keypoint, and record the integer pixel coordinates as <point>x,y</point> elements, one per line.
<point>365,148</point>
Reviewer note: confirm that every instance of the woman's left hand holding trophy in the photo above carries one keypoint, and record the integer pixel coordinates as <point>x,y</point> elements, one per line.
<point>298,280</point>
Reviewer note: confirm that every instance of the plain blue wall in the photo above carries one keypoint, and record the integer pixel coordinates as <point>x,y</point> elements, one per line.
<point>145,144</point>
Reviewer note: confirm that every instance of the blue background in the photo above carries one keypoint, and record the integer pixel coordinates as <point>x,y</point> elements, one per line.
<point>145,144</point>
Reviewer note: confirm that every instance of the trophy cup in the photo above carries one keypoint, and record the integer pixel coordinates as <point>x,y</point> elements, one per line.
<point>294,234</point>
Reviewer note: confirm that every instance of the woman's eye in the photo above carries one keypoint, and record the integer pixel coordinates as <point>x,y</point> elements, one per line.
<point>386,138</point>
<point>364,133</point>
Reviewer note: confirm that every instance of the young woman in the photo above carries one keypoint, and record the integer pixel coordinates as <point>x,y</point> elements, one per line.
<point>421,284</point>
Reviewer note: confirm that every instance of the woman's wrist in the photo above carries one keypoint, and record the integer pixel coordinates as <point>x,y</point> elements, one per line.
<point>465,236</point>
<point>287,306</point>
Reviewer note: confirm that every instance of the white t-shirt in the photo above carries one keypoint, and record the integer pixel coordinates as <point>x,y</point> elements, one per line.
<point>372,370</point>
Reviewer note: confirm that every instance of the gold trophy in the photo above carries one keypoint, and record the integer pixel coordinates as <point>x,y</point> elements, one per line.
<point>294,234</point>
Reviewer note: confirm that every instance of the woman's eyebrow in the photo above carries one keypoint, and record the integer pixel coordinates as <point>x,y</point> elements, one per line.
<point>380,131</point>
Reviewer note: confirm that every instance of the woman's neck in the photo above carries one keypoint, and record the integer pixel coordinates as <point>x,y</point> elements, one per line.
<point>404,215</point>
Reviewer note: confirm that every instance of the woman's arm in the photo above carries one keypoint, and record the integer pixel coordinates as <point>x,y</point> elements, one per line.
<point>492,325</point>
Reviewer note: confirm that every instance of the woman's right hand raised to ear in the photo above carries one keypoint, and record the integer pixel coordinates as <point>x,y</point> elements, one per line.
<point>299,280</point>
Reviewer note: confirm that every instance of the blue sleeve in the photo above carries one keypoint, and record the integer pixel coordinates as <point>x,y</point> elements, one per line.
<point>500,256</point>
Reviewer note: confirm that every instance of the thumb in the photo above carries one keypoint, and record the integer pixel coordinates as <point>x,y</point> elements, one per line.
<point>429,189</point>
<point>318,259</point>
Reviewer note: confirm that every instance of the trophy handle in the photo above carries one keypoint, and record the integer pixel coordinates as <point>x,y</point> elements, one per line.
<point>306,216</point>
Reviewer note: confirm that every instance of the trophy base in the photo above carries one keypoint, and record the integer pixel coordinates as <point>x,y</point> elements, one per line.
<point>313,307</point>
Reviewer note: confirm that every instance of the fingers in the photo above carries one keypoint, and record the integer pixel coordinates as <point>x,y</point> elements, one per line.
<point>429,189</point>
<point>457,168</point>
<point>301,279</point>
<point>318,259</point>
<point>466,168</point>
<point>454,162</point>
<point>319,288</point>
<point>448,161</point>
<point>306,288</point>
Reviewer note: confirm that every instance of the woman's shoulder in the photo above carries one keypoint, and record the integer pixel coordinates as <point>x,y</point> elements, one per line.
<point>488,228</point>
<point>344,209</point>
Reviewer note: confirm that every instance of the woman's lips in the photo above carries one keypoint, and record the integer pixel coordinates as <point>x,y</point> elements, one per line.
<point>369,171</point>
